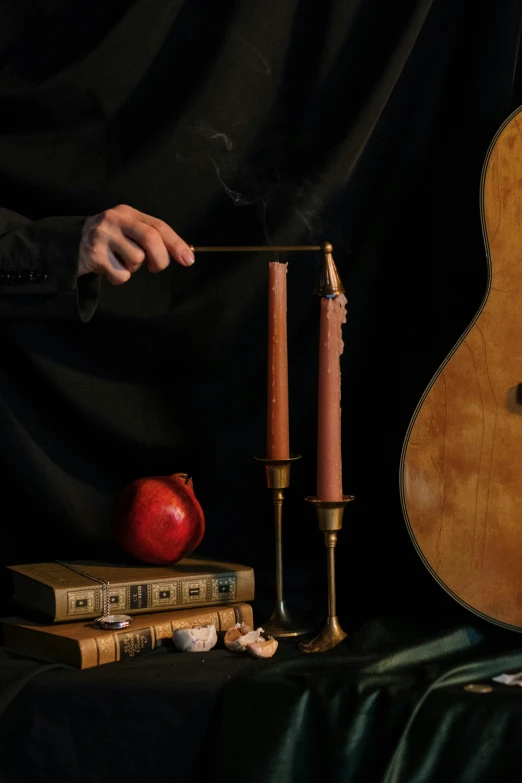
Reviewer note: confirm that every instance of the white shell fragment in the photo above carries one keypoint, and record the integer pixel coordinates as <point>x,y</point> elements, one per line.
<point>199,639</point>
<point>265,648</point>
<point>237,638</point>
<point>241,638</point>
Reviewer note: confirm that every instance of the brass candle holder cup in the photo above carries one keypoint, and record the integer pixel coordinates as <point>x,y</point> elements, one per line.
<point>280,623</point>
<point>330,518</point>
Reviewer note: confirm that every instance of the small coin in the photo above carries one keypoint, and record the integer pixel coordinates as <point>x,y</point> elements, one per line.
<point>478,687</point>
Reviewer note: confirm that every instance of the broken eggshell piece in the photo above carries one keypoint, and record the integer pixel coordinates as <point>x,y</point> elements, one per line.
<point>238,637</point>
<point>241,638</point>
<point>199,639</point>
<point>264,648</point>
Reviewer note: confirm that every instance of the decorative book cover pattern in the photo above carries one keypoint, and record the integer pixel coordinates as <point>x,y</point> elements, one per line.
<point>159,595</point>
<point>64,595</point>
<point>83,645</point>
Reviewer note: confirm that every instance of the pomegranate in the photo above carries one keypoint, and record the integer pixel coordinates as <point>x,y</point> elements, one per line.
<point>158,519</point>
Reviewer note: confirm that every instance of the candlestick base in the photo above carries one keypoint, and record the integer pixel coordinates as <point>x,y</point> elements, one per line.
<point>329,637</point>
<point>280,623</point>
<point>330,519</point>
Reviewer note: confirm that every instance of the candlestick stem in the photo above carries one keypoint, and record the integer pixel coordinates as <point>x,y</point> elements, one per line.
<point>330,540</point>
<point>280,624</point>
<point>278,497</point>
<point>330,518</point>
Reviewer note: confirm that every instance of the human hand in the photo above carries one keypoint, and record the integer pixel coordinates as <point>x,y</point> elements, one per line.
<point>116,242</point>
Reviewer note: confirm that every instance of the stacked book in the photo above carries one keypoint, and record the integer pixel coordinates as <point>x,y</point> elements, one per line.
<point>194,591</point>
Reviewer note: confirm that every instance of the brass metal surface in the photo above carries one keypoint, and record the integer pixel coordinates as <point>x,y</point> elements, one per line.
<point>255,248</point>
<point>280,623</point>
<point>278,471</point>
<point>329,282</point>
<point>330,512</point>
<point>478,687</point>
<point>331,635</point>
<point>330,519</point>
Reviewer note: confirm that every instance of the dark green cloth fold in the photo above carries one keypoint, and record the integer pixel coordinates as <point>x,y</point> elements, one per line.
<point>365,712</point>
<point>388,705</point>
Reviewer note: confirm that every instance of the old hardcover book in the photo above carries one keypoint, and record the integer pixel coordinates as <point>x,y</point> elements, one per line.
<point>59,594</point>
<point>83,645</point>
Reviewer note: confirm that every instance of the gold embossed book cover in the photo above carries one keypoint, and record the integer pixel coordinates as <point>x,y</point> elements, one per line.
<point>56,592</point>
<point>83,645</point>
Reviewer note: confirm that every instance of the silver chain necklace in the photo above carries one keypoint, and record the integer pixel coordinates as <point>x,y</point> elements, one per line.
<point>108,621</point>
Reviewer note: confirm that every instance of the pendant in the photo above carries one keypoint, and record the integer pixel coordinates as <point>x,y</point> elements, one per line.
<point>113,622</point>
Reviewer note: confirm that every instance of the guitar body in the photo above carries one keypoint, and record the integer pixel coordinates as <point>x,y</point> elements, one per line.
<point>461,466</point>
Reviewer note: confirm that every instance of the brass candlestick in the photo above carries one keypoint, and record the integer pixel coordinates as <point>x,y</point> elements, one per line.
<point>330,518</point>
<point>329,512</point>
<point>280,623</point>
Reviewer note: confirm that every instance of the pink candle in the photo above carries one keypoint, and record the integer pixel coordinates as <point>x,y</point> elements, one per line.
<point>329,463</point>
<point>277,435</point>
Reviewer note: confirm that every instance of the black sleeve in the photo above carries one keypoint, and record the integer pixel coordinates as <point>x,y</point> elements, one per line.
<point>39,269</point>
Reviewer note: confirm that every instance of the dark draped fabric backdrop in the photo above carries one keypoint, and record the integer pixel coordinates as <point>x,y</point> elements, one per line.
<point>360,122</point>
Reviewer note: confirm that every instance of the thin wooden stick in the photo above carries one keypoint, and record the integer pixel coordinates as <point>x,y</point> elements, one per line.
<point>256,248</point>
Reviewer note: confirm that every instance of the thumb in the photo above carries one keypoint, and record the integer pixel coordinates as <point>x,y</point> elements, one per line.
<point>116,272</point>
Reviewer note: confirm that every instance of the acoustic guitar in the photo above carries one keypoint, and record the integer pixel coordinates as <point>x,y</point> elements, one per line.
<point>461,464</point>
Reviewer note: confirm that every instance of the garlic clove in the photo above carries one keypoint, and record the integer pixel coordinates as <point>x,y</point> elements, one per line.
<point>232,635</point>
<point>199,639</point>
<point>264,648</point>
<point>237,640</point>
<point>241,638</point>
<point>251,637</point>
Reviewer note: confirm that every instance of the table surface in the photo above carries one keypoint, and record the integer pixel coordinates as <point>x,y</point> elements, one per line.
<point>389,704</point>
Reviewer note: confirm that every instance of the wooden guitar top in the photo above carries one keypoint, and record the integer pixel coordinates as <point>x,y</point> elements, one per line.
<point>461,467</point>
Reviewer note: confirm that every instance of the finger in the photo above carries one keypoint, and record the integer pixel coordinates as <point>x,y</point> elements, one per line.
<point>128,252</point>
<point>151,242</point>
<point>176,246</point>
<point>115,272</point>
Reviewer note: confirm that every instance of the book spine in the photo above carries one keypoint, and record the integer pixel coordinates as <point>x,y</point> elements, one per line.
<point>117,646</point>
<point>156,596</point>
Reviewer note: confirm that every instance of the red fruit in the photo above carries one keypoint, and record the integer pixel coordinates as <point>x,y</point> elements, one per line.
<point>158,519</point>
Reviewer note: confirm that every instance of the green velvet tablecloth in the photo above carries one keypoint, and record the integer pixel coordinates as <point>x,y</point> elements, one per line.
<point>388,705</point>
